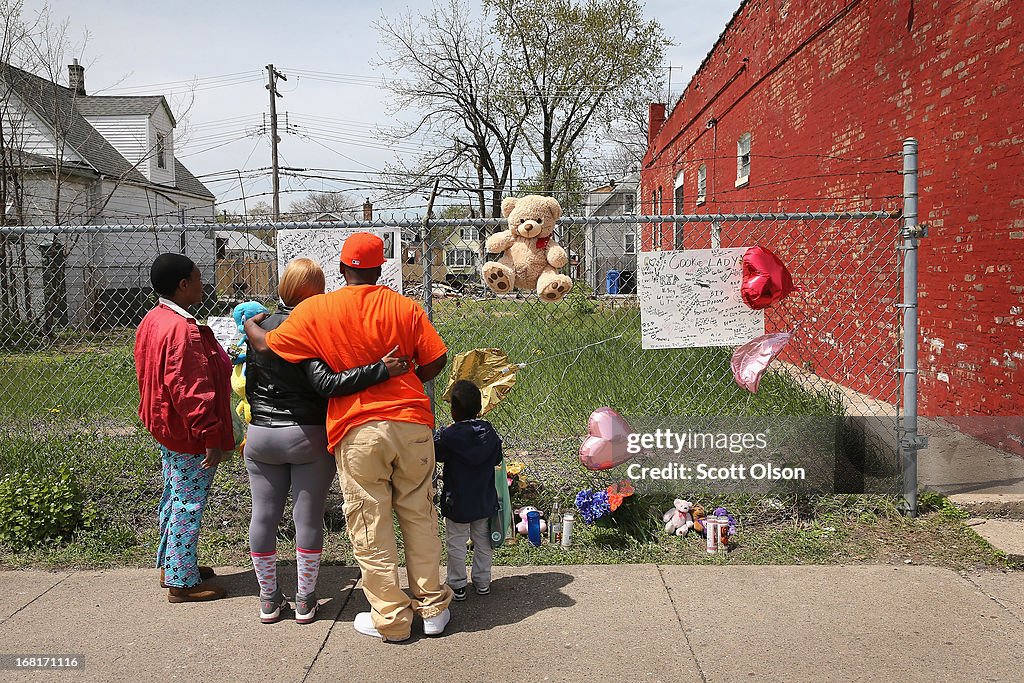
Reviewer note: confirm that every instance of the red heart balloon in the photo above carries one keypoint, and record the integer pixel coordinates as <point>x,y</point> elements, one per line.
<point>765,278</point>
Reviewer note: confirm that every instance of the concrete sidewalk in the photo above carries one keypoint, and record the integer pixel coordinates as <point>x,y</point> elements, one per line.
<point>630,622</point>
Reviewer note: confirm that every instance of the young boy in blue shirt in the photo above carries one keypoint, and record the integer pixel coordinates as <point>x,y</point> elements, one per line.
<point>470,450</point>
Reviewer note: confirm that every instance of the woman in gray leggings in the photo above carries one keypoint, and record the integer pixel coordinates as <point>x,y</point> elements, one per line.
<point>286,448</point>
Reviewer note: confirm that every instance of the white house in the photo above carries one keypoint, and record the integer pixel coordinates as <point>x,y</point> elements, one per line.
<point>86,159</point>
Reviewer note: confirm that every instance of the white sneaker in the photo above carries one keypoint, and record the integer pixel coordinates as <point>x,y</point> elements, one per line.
<point>434,626</point>
<point>364,624</point>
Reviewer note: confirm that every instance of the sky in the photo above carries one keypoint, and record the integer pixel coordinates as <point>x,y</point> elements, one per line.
<point>209,59</point>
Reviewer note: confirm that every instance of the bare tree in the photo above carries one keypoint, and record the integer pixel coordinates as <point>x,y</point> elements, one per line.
<point>316,204</point>
<point>578,61</point>
<point>459,85</point>
<point>39,178</point>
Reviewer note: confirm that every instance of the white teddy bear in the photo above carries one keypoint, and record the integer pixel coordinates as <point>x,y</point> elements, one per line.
<point>679,520</point>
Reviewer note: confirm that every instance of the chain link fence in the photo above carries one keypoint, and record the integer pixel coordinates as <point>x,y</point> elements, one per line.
<point>72,296</point>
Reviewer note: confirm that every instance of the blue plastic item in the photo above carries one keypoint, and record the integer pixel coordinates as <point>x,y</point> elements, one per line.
<point>611,281</point>
<point>533,527</point>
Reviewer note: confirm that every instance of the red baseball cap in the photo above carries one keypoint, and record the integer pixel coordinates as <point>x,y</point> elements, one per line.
<point>363,250</point>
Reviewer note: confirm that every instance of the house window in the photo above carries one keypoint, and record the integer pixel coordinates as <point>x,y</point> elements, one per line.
<point>677,228</point>
<point>469,235</point>
<point>629,243</point>
<point>743,160</point>
<point>460,258</point>
<point>677,195</point>
<point>629,203</point>
<point>161,150</point>
<point>702,183</point>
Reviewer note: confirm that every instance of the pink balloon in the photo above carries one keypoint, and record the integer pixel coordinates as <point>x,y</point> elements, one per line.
<point>750,361</point>
<point>605,447</point>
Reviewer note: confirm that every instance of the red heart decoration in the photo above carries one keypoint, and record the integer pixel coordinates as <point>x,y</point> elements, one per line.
<point>765,278</point>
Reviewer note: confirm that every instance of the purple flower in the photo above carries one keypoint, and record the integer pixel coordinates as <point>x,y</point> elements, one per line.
<point>592,506</point>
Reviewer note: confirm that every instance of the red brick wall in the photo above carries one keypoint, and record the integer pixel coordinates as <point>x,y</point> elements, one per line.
<point>829,90</point>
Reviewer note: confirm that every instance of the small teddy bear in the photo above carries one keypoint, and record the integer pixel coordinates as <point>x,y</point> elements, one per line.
<point>530,257</point>
<point>522,527</point>
<point>679,520</point>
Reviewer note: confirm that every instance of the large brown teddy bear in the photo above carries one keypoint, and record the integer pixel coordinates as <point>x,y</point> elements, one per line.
<point>530,257</point>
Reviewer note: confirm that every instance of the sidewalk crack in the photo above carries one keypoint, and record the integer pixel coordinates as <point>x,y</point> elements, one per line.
<point>348,594</point>
<point>993,598</point>
<point>679,619</point>
<point>5,620</point>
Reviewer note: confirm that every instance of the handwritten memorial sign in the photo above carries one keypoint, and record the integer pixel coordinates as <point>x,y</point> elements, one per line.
<point>224,330</point>
<point>692,298</point>
<point>323,245</point>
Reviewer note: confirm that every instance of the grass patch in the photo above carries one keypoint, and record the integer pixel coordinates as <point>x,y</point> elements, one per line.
<point>75,403</point>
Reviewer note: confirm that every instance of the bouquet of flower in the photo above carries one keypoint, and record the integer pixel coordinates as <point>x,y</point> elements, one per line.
<point>593,505</point>
<point>516,475</point>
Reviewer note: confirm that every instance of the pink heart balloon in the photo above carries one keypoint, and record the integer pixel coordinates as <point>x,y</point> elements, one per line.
<point>605,447</point>
<point>750,361</point>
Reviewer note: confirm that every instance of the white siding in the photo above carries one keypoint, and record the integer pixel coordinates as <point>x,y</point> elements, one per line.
<point>27,130</point>
<point>129,135</point>
<point>159,122</point>
<point>77,200</point>
<point>132,204</point>
<point>125,258</point>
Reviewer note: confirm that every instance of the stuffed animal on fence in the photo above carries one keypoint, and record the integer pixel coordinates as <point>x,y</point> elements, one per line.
<point>679,520</point>
<point>530,258</point>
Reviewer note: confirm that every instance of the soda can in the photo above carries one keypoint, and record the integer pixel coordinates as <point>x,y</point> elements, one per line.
<point>567,522</point>
<point>711,530</point>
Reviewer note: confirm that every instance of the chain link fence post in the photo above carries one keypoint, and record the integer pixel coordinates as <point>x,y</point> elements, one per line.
<point>910,440</point>
<point>428,278</point>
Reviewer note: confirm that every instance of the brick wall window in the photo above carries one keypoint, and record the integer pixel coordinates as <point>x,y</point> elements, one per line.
<point>677,228</point>
<point>743,160</point>
<point>702,184</point>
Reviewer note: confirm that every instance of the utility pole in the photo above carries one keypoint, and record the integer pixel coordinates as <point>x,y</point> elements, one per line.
<point>272,76</point>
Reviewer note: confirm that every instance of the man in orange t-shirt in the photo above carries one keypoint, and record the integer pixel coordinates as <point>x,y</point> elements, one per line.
<point>381,437</point>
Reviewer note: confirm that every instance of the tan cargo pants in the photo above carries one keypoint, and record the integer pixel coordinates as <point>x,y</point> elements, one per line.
<point>387,467</point>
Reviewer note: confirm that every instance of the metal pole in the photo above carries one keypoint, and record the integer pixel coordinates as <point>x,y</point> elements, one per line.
<point>910,442</point>
<point>428,275</point>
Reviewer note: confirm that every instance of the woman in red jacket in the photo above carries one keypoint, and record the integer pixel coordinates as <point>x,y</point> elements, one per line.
<point>184,390</point>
